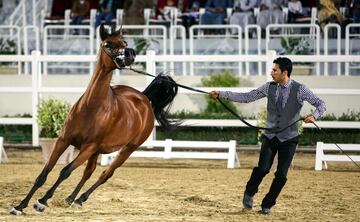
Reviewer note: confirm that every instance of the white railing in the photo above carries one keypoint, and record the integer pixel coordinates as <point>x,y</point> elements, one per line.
<point>348,45</point>
<point>18,16</point>
<point>3,156</point>
<point>14,34</point>
<point>187,151</point>
<point>239,43</point>
<point>315,36</point>
<point>66,36</point>
<point>321,158</point>
<point>200,36</point>
<point>326,46</point>
<point>151,59</point>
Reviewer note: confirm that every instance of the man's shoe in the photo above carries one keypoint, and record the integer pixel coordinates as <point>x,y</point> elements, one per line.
<point>265,210</point>
<point>248,201</point>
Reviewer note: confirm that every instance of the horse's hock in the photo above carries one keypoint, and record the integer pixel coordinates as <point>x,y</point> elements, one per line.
<point>46,147</point>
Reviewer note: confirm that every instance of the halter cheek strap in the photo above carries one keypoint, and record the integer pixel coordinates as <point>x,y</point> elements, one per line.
<point>109,52</point>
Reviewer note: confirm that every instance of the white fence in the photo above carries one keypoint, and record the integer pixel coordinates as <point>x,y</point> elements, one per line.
<point>189,153</point>
<point>3,156</point>
<point>36,88</point>
<point>321,157</point>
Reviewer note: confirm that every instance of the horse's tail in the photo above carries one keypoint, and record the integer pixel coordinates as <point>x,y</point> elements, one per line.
<point>161,92</point>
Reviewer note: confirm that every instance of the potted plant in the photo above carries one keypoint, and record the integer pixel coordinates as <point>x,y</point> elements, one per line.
<point>7,47</point>
<point>297,46</point>
<point>51,116</point>
<point>141,45</point>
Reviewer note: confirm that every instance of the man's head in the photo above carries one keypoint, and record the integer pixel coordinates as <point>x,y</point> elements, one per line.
<point>281,70</point>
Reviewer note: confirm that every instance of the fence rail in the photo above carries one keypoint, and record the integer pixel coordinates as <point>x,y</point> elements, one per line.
<point>151,60</point>
<point>321,157</point>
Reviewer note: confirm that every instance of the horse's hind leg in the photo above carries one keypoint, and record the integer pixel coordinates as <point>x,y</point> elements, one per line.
<point>59,148</point>
<point>106,174</point>
<point>90,167</point>
<point>85,153</point>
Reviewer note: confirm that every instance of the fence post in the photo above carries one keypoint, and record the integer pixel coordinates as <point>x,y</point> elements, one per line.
<point>150,68</point>
<point>35,72</point>
<point>3,156</point>
<point>167,149</point>
<point>319,155</point>
<point>232,158</point>
<point>271,55</point>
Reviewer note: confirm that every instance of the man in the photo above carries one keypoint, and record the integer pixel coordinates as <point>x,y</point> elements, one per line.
<point>215,12</point>
<point>107,11</point>
<point>242,14</point>
<point>285,100</point>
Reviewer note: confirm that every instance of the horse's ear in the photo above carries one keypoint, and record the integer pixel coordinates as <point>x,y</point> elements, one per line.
<point>103,32</point>
<point>118,33</point>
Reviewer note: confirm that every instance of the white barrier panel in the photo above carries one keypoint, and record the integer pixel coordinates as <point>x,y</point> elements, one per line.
<point>3,156</point>
<point>321,157</point>
<point>167,153</point>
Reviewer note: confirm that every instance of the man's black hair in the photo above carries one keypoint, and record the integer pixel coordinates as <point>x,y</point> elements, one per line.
<point>284,64</point>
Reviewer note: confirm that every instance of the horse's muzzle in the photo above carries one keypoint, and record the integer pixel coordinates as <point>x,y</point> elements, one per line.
<point>126,58</point>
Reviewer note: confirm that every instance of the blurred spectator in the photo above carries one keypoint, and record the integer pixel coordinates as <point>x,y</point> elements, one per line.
<point>190,15</point>
<point>295,10</point>
<point>353,10</point>
<point>307,5</point>
<point>215,12</point>
<point>134,10</point>
<point>328,13</point>
<point>107,11</point>
<point>79,10</point>
<point>58,8</point>
<point>242,14</point>
<point>164,8</point>
<point>271,13</point>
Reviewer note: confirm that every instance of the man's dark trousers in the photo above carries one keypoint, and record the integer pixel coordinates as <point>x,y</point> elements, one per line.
<point>269,148</point>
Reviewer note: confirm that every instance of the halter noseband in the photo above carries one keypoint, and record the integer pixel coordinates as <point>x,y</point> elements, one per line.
<point>114,54</point>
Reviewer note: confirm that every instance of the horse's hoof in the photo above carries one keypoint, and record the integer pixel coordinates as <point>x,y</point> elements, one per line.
<point>78,202</point>
<point>39,206</point>
<point>69,201</point>
<point>16,212</point>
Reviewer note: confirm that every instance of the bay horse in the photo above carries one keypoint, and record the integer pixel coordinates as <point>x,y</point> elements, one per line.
<point>105,119</point>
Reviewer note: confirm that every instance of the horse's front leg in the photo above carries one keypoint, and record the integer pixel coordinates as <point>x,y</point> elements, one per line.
<point>106,174</point>
<point>84,154</point>
<point>58,149</point>
<point>90,167</point>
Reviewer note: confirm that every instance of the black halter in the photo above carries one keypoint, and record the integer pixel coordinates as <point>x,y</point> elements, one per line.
<point>121,56</point>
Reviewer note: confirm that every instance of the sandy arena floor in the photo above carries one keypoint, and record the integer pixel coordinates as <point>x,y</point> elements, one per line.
<point>184,190</point>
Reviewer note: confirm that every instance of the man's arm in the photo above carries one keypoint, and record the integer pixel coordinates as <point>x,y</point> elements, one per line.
<point>305,94</point>
<point>251,96</point>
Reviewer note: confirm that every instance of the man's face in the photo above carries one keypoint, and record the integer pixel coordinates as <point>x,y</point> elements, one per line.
<point>277,75</point>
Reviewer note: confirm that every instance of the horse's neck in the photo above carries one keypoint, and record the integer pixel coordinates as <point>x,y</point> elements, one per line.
<point>99,86</point>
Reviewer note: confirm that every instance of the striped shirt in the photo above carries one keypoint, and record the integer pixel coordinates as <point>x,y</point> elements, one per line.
<point>304,94</point>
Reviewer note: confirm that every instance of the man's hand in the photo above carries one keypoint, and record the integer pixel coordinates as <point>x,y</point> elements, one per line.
<point>214,94</point>
<point>309,119</point>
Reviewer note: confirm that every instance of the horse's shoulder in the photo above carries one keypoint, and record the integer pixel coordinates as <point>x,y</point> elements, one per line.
<point>128,91</point>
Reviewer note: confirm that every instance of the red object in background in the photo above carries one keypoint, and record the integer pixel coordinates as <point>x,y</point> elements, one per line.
<point>59,6</point>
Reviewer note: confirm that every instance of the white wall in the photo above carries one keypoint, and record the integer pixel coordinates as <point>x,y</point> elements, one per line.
<point>13,103</point>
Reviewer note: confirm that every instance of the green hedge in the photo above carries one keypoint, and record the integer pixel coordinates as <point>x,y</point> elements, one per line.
<point>243,135</point>
<point>17,133</point>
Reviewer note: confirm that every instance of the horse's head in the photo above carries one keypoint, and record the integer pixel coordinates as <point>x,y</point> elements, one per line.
<point>116,48</point>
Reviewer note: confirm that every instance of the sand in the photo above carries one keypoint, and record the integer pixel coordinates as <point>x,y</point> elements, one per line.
<point>184,190</point>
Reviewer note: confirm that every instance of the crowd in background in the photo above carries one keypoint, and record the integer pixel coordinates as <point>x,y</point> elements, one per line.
<point>243,12</point>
